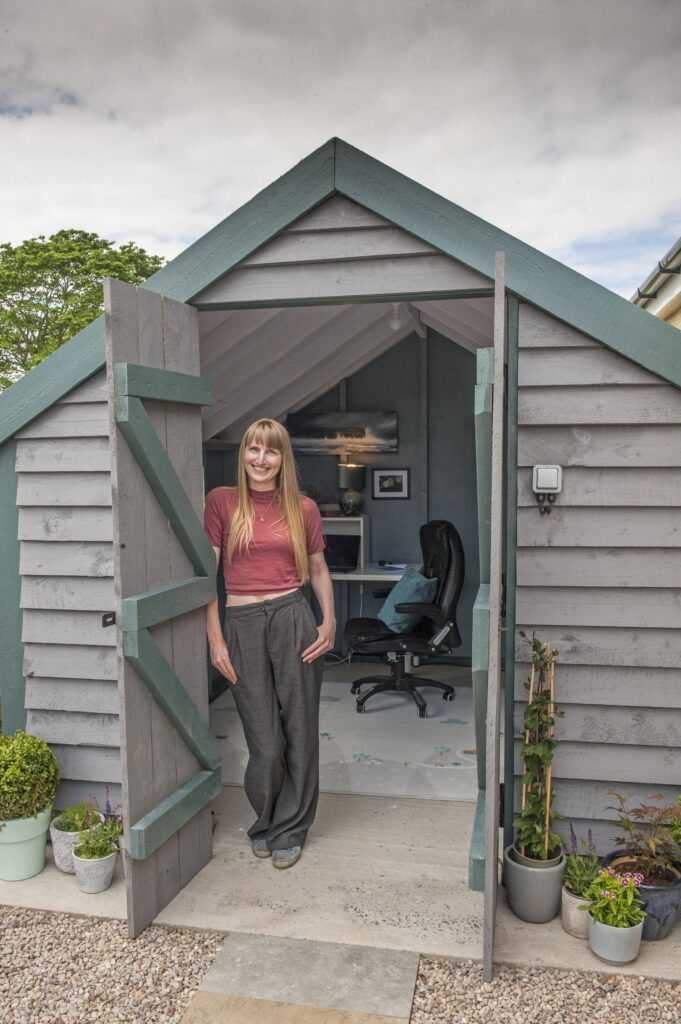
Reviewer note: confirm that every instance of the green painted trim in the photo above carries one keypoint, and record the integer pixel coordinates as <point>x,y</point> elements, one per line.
<point>12,686</point>
<point>476,854</point>
<point>339,167</point>
<point>511,543</point>
<point>160,474</point>
<point>144,654</point>
<point>541,280</point>
<point>167,602</point>
<point>479,677</point>
<point>46,383</point>
<point>151,831</point>
<point>162,385</point>
<point>484,391</point>
<point>484,366</point>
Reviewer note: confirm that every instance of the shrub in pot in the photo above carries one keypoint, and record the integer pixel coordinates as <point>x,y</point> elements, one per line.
<point>65,831</point>
<point>94,858</point>
<point>615,916</point>
<point>650,847</point>
<point>580,871</point>
<point>534,864</point>
<point>28,782</point>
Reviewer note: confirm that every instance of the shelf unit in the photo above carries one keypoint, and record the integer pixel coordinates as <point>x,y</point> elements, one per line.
<point>350,526</point>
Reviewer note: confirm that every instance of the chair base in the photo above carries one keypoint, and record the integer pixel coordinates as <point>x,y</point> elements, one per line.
<point>400,681</point>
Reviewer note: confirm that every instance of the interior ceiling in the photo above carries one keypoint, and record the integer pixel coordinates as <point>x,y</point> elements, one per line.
<point>268,362</point>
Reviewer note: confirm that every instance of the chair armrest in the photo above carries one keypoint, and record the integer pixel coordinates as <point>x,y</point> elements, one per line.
<point>426,611</point>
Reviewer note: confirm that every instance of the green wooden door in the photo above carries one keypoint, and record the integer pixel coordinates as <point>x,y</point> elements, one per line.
<point>164,572</point>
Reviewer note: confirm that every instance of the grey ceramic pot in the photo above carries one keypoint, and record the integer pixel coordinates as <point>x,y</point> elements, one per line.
<point>94,875</point>
<point>662,904</point>
<point>614,945</point>
<point>533,892</point>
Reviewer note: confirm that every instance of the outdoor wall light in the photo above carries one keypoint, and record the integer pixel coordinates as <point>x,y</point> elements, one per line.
<point>547,482</point>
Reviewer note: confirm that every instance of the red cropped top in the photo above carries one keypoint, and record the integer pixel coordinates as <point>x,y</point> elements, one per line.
<point>268,565</point>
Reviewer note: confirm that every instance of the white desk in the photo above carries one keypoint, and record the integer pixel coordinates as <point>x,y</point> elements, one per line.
<point>371,573</point>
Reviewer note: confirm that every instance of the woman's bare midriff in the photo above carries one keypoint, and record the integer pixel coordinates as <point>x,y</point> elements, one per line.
<point>234,600</point>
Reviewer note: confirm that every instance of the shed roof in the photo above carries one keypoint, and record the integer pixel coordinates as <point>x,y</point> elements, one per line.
<point>338,168</point>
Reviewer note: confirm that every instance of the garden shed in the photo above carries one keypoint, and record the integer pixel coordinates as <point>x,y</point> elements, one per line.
<point>512,360</point>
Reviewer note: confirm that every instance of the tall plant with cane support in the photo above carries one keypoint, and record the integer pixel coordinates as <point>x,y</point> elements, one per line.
<point>534,837</point>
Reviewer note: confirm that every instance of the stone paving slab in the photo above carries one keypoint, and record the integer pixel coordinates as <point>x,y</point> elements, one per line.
<point>325,975</point>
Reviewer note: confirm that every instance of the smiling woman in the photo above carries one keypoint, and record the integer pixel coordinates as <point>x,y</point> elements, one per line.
<point>271,543</point>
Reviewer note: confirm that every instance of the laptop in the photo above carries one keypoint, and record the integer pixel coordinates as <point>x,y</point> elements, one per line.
<point>341,552</point>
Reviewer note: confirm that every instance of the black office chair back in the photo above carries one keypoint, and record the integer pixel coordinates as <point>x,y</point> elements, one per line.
<point>443,559</point>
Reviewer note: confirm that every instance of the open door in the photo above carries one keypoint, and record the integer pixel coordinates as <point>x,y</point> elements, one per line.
<point>496,554</point>
<point>164,571</point>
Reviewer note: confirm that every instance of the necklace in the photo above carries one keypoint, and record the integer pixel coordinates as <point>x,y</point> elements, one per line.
<point>261,515</point>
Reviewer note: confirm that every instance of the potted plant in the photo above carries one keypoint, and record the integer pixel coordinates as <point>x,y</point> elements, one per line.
<point>651,848</point>
<point>94,858</point>
<point>580,871</point>
<point>28,782</point>
<point>615,916</point>
<point>65,831</point>
<point>534,864</point>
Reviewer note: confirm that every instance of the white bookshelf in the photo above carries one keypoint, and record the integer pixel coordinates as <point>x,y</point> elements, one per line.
<point>350,526</point>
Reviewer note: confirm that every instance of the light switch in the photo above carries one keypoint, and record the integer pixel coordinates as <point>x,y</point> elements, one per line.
<point>547,479</point>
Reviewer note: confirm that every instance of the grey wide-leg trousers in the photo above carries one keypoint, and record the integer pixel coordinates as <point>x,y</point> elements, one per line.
<point>277,697</point>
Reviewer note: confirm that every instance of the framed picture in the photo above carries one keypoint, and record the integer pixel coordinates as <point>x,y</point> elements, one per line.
<point>334,433</point>
<point>390,483</point>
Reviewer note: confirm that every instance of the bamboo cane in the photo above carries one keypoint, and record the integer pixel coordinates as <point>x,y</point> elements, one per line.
<point>549,653</point>
<point>527,737</point>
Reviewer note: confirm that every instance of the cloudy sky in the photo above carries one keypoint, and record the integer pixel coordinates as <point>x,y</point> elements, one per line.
<point>151,120</point>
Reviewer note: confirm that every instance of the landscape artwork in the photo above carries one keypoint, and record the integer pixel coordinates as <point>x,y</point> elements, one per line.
<point>331,433</point>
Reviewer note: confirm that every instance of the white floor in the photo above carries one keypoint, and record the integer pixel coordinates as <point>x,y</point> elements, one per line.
<point>385,751</point>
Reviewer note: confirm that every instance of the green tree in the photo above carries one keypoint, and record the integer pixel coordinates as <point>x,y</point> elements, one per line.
<point>50,288</point>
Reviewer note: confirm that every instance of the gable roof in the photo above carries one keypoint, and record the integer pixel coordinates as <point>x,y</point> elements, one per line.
<point>337,167</point>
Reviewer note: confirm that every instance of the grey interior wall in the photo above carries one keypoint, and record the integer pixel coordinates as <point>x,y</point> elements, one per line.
<point>392,383</point>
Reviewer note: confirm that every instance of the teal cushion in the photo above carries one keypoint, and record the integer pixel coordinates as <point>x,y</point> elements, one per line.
<point>411,588</point>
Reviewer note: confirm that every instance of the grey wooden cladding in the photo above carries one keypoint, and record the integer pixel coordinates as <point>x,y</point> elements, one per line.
<point>80,593</point>
<point>74,524</point>
<point>63,627</point>
<point>73,792</point>
<point>75,419</point>
<point>338,214</point>
<point>614,763</point>
<point>67,454</point>
<point>66,558</point>
<point>92,390</point>
<point>599,527</point>
<point>341,279</point>
<point>77,728</point>
<point>62,489</point>
<point>348,244</point>
<point>599,606</point>
<point>82,695</point>
<point>588,405</point>
<point>69,661</point>
<point>623,685</point>
<point>606,487</point>
<point>596,800</point>
<point>651,727</point>
<point>598,567</point>
<point>600,577</point>
<point>637,445</point>
<point>588,366</point>
<point>87,763</point>
<point>605,645</point>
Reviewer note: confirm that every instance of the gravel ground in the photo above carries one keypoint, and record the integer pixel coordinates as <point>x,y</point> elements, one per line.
<point>456,994</point>
<point>62,969</point>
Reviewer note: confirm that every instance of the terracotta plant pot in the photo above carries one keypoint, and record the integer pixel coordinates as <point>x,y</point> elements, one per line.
<point>662,903</point>
<point>575,921</point>
<point>614,945</point>
<point>533,888</point>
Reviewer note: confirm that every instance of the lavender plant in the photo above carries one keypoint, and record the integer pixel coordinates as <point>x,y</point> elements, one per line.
<point>580,868</point>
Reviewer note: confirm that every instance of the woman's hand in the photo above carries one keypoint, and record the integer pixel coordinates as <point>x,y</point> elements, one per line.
<point>219,659</point>
<point>326,635</point>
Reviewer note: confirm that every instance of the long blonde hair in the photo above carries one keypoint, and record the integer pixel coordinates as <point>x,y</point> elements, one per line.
<point>273,435</point>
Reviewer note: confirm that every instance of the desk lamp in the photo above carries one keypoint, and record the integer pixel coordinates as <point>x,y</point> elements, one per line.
<point>351,479</point>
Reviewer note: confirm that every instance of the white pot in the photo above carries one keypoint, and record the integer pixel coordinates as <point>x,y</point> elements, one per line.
<point>575,921</point>
<point>614,945</point>
<point>63,844</point>
<point>94,875</point>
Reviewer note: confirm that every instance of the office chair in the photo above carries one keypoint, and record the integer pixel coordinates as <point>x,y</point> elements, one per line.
<point>443,559</point>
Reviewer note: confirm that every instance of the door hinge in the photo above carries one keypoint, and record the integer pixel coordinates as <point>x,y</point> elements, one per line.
<point>501,805</point>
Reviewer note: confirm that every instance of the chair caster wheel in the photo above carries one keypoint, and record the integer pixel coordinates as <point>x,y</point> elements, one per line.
<point>422,712</point>
<point>359,708</point>
<point>448,696</point>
